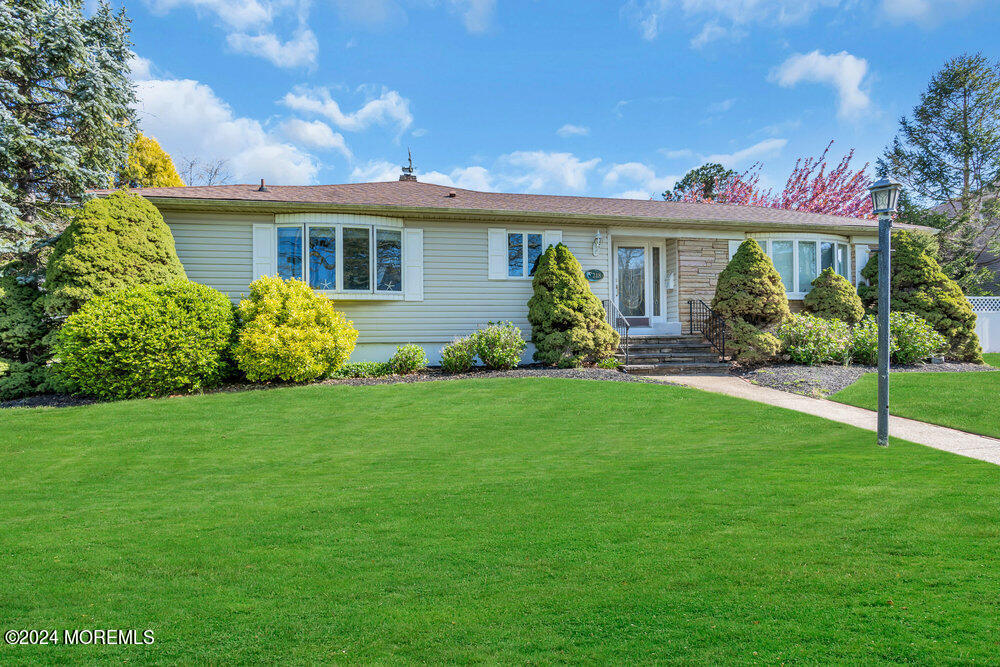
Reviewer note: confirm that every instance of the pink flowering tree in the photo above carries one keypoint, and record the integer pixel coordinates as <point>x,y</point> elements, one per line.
<point>812,186</point>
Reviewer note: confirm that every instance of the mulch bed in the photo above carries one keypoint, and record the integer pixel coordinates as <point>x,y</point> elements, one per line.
<point>430,375</point>
<point>829,378</point>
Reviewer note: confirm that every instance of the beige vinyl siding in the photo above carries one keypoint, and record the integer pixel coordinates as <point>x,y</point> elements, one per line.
<point>216,250</point>
<point>459,297</point>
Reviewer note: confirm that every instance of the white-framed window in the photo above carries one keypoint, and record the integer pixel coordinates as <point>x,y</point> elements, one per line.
<point>346,258</point>
<point>800,261</point>
<point>513,254</point>
<point>523,252</point>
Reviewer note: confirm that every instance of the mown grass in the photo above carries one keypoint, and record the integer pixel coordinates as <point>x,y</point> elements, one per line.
<point>491,520</point>
<point>966,401</point>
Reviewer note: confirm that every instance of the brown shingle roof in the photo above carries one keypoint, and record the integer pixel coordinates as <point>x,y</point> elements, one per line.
<point>413,194</point>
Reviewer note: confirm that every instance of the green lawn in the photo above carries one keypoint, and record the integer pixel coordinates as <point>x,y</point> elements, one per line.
<point>993,358</point>
<point>532,520</point>
<point>966,401</point>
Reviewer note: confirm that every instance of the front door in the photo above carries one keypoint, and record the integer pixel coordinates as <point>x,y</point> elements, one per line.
<point>632,289</point>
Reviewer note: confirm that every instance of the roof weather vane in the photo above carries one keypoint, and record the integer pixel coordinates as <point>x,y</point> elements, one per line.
<point>407,174</point>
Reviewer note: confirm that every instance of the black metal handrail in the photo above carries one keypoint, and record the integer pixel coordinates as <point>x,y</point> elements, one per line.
<point>708,323</point>
<point>619,323</point>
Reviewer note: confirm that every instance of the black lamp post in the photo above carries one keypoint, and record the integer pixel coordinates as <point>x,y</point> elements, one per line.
<point>885,196</point>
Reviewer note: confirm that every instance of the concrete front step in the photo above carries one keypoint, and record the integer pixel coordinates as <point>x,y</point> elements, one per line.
<point>678,368</point>
<point>702,357</point>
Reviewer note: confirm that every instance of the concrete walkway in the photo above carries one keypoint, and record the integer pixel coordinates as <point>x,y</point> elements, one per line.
<point>948,439</point>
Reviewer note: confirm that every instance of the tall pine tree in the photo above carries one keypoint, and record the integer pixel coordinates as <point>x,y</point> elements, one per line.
<point>947,153</point>
<point>66,112</point>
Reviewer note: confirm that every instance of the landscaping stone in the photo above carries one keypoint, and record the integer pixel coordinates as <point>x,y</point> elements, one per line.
<point>828,379</point>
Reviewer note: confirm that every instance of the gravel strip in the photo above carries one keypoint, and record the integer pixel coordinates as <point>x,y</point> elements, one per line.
<point>828,379</point>
<point>430,375</point>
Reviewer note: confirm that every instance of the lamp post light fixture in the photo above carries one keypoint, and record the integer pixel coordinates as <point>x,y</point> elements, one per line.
<point>885,196</point>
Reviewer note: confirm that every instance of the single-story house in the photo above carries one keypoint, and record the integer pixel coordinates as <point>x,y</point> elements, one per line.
<point>412,262</point>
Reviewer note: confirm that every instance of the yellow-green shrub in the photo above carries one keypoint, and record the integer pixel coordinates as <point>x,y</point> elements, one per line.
<point>832,297</point>
<point>147,340</point>
<point>290,332</point>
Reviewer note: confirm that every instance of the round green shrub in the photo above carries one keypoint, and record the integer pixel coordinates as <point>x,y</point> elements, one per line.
<point>499,345</point>
<point>408,359</point>
<point>147,340</point>
<point>919,286</point>
<point>749,345</point>
<point>911,340</point>
<point>291,333</point>
<point>459,356</point>
<point>812,340</point>
<point>751,298</point>
<point>833,297</point>
<point>25,334</point>
<point>568,323</point>
<point>112,242</point>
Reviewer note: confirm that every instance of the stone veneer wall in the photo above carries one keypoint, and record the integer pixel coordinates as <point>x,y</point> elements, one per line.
<point>699,263</point>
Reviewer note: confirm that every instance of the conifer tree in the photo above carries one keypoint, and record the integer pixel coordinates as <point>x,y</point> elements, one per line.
<point>918,285</point>
<point>148,166</point>
<point>66,112</point>
<point>568,322</point>
<point>751,298</point>
<point>833,297</point>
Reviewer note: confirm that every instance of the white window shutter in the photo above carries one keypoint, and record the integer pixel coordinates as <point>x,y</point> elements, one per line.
<point>497,253</point>
<point>413,265</point>
<point>733,247</point>
<point>265,260</point>
<point>552,237</point>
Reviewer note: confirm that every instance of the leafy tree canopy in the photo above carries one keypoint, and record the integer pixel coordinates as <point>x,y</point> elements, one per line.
<point>148,166</point>
<point>947,154</point>
<point>66,111</point>
<point>706,182</point>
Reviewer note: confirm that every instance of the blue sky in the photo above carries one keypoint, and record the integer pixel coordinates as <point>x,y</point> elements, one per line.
<point>613,98</point>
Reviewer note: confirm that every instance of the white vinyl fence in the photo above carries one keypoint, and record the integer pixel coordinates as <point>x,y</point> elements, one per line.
<point>987,321</point>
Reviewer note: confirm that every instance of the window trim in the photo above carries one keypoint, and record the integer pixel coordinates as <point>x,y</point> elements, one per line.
<point>372,290</point>
<point>796,293</point>
<point>524,252</point>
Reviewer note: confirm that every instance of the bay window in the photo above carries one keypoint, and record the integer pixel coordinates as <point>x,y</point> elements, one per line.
<point>341,258</point>
<point>800,261</point>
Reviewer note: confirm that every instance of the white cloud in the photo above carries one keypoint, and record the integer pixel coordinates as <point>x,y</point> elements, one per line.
<point>248,24</point>
<point>237,14</point>
<point>316,134</point>
<point>843,71</point>
<point>719,18</point>
<point>758,150</point>
<point>710,32</point>
<point>389,108</point>
<point>477,15</point>
<point>542,171</point>
<point>721,107</point>
<point>640,174</point>
<point>570,130</point>
<point>469,178</point>
<point>141,68</point>
<point>189,119</point>
<point>300,50</point>
<point>926,12</point>
<point>376,171</point>
<point>677,154</point>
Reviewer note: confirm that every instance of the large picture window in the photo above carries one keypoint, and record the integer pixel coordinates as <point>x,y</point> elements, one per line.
<point>342,258</point>
<point>800,261</point>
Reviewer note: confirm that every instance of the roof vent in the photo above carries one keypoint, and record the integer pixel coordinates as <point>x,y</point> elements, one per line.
<point>452,194</point>
<point>262,188</point>
<point>407,174</point>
